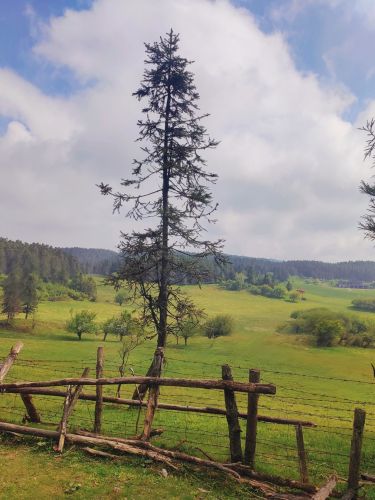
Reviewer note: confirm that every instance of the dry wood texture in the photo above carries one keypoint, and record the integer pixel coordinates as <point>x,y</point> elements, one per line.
<point>234,427</point>
<point>302,456</point>
<point>356,450</point>
<point>9,360</point>
<point>72,395</point>
<point>132,402</point>
<point>252,420</point>
<point>99,391</point>
<point>326,490</point>
<point>171,382</point>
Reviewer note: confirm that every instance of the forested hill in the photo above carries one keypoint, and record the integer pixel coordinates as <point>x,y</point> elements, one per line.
<point>49,263</point>
<point>99,261</point>
<point>95,260</point>
<point>354,271</point>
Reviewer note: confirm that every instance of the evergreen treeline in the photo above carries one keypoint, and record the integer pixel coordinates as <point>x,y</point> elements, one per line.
<point>50,264</point>
<point>352,271</point>
<point>95,260</point>
<point>99,261</point>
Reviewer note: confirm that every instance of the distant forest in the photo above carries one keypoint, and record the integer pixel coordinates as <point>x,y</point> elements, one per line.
<point>98,261</point>
<point>61,264</point>
<point>49,263</point>
<point>95,260</point>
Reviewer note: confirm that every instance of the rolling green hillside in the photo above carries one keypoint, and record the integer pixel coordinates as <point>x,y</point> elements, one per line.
<point>320,385</point>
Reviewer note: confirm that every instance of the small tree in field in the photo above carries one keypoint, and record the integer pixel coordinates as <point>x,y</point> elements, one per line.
<point>218,326</point>
<point>170,186</point>
<point>118,325</point>
<point>82,322</point>
<point>188,329</point>
<point>121,297</point>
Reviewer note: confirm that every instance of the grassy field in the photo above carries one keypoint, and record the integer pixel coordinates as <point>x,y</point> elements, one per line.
<point>320,385</point>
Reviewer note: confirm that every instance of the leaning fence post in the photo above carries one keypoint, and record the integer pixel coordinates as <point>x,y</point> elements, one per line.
<point>355,451</point>
<point>32,412</point>
<point>302,458</point>
<point>9,360</point>
<point>99,391</point>
<point>232,418</point>
<point>252,421</point>
<point>26,398</point>
<point>71,398</point>
<point>153,395</point>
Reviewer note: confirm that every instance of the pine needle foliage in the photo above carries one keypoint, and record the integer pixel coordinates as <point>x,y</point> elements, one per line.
<point>170,188</point>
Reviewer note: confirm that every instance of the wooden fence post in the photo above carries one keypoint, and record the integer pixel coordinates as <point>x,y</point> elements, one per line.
<point>252,421</point>
<point>355,452</point>
<point>153,395</point>
<point>99,391</point>
<point>232,418</point>
<point>72,396</point>
<point>32,412</point>
<point>9,360</point>
<point>302,457</point>
<point>26,398</point>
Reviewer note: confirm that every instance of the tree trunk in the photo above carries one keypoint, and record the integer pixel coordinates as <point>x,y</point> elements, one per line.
<point>185,339</point>
<point>154,371</point>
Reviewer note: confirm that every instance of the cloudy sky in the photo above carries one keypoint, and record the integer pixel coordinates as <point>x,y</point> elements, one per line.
<point>287,83</point>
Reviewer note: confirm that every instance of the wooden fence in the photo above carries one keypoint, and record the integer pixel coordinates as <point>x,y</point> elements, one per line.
<point>242,462</point>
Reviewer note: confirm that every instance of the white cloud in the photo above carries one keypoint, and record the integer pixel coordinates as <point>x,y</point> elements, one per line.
<point>289,164</point>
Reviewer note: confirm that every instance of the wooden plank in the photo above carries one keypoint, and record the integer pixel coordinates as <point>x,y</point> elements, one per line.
<point>356,450</point>
<point>169,382</point>
<point>234,427</point>
<point>252,421</point>
<point>99,391</point>
<point>326,490</point>
<point>163,406</point>
<point>302,456</point>
<point>9,360</point>
<point>72,395</point>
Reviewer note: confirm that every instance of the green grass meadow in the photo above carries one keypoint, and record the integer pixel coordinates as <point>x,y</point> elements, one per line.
<point>322,385</point>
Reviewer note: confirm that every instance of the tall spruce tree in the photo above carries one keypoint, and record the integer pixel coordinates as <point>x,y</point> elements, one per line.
<point>170,186</point>
<point>29,294</point>
<point>12,297</point>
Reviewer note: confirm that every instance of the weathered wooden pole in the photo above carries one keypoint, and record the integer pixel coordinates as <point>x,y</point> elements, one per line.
<point>99,391</point>
<point>72,396</point>
<point>9,360</point>
<point>302,456</point>
<point>32,412</point>
<point>252,421</point>
<point>153,395</point>
<point>232,418</point>
<point>325,491</point>
<point>355,451</point>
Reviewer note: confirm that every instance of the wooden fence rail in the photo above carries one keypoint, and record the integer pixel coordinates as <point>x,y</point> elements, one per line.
<point>150,381</point>
<point>245,464</point>
<point>163,406</point>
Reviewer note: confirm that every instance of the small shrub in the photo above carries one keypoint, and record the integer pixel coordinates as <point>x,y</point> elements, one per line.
<point>218,326</point>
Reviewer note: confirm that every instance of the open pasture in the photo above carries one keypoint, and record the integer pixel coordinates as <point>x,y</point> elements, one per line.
<point>319,385</point>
